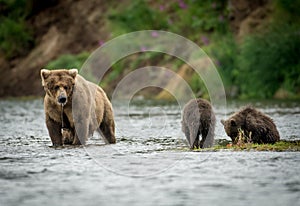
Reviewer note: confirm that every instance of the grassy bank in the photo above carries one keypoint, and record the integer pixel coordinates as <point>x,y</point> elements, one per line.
<point>281,146</point>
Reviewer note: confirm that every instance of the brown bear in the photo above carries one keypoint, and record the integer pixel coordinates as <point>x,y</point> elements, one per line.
<point>75,108</point>
<point>257,126</point>
<point>198,119</point>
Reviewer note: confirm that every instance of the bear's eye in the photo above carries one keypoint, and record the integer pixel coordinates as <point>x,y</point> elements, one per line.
<point>66,88</point>
<point>56,87</point>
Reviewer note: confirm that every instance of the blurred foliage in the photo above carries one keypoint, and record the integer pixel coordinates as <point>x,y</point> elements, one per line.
<point>198,86</point>
<point>69,61</point>
<point>192,19</point>
<point>135,61</point>
<point>270,61</point>
<point>264,62</point>
<point>136,16</point>
<point>257,66</point>
<point>224,52</point>
<point>15,36</point>
<point>290,6</point>
<point>188,18</point>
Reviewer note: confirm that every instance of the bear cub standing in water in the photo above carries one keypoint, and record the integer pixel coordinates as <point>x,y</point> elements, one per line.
<point>199,119</point>
<point>76,104</point>
<point>257,126</point>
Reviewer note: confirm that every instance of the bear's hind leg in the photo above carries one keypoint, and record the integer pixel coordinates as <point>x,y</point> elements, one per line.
<point>186,131</point>
<point>194,136</point>
<point>81,132</point>
<point>108,131</point>
<point>207,137</point>
<point>203,139</point>
<point>196,142</point>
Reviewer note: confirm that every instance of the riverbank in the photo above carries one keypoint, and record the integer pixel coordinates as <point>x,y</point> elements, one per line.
<point>281,146</point>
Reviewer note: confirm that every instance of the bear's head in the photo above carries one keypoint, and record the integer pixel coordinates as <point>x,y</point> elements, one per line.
<point>59,84</point>
<point>231,127</point>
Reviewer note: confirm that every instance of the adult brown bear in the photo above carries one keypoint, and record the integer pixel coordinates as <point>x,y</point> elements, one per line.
<point>80,105</point>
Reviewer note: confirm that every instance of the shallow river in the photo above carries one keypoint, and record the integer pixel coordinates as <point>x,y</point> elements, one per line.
<point>149,165</point>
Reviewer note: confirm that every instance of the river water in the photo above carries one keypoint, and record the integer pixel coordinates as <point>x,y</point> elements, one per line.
<point>150,164</point>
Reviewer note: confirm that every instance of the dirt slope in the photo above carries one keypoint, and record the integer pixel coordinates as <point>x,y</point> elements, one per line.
<point>66,27</point>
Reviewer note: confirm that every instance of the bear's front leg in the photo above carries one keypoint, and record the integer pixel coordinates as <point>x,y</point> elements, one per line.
<point>54,131</point>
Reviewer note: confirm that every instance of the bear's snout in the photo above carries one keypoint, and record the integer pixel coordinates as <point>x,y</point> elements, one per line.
<point>62,99</point>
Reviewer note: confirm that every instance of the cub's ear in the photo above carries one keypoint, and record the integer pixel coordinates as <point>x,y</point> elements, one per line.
<point>45,73</point>
<point>73,72</point>
<point>223,121</point>
<point>232,122</point>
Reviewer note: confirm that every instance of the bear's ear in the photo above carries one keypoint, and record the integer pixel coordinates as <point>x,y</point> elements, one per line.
<point>232,122</point>
<point>45,73</point>
<point>73,72</point>
<point>223,121</point>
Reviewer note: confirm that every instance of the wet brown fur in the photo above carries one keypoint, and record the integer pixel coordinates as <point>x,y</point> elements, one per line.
<point>92,109</point>
<point>255,124</point>
<point>199,119</point>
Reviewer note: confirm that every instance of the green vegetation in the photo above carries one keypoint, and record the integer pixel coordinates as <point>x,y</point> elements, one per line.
<point>270,61</point>
<point>281,146</point>
<point>258,65</point>
<point>198,86</point>
<point>15,36</point>
<point>192,19</point>
<point>69,61</point>
<point>135,61</point>
<point>136,16</point>
<point>244,143</point>
<point>224,51</point>
<point>289,6</point>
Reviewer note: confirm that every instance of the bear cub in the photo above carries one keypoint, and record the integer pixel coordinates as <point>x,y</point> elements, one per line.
<point>75,108</point>
<point>256,125</point>
<point>198,118</point>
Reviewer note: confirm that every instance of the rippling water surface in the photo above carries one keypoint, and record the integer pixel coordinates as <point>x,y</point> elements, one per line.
<point>149,165</point>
